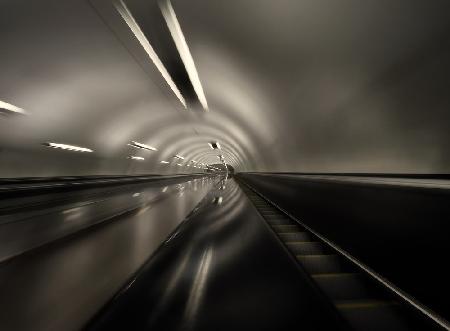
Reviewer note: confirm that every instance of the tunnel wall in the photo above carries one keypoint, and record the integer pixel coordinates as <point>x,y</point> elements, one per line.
<point>400,232</point>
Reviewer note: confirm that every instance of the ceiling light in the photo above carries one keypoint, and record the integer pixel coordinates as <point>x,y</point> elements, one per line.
<point>134,27</point>
<point>138,158</point>
<point>68,147</point>
<point>8,108</point>
<point>135,144</point>
<point>179,164</point>
<point>165,162</point>
<point>183,49</point>
<point>179,157</point>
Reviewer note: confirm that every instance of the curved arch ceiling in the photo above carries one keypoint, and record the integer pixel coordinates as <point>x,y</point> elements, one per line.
<point>290,85</point>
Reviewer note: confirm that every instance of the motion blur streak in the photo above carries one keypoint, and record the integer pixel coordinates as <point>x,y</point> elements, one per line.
<point>128,18</point>
<point>198,287</point>
<point>183,49</point>
<point>11,108</point>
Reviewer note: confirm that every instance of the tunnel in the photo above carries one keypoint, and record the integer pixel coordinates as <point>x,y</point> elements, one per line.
<point>208,165</point>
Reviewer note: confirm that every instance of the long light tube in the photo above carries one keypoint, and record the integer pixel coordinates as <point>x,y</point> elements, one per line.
<point>180,42</point>
<point>135,144</point>
<point>134,27</point>
<point>68,147</point>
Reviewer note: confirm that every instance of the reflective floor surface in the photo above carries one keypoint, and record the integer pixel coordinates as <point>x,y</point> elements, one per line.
<point>61,285</point>
<point>222,270</point>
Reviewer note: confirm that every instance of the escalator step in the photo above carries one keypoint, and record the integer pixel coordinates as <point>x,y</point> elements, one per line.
<point>374,315</point>
<point>323,264</point>
<point>345,286</point>
<point>356,297</point>
<point>275,217</point>
<point>296,236</point>
<point>279,218</point>
<point>268,212</point>
<point>307,248</point>
<point>280,221</point>
<point>287,228</point>
<point>347,305</point>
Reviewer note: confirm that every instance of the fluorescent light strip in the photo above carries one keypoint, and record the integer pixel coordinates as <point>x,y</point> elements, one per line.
<point>180,42</point>
<point>179,164</point>
<point>165,162</point>
<point>12,108</point>
<point>134,27</point>
<point>138,158</point>
<point>68,147</point>
<point>135,144</point>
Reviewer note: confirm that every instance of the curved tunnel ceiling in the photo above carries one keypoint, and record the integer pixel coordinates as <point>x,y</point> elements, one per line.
<point>307,86</point>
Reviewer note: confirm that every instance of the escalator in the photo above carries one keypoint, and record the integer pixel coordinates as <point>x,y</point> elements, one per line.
<point>363,303</point>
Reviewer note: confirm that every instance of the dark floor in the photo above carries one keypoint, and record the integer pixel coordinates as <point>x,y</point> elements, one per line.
<point>186,253</point>
<point>223,270</point>
<point>61,285</point>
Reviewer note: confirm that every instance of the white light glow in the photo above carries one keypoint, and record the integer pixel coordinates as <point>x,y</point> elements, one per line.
<point>165,162</point>
<point>134,27</point>
<point>179,157</point>
<point>135,144</point>
<point>182,47</point>
<point>137,158</point>
<point>68,147</point>
<point>12,108</point>
<point>179,164</point>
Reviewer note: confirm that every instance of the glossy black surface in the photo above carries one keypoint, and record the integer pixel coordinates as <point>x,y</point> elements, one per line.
<point>397,227</point>
<point>60,207</point>
<point>223,269</point>
<point>61,285</point>
<point>365,304</point>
